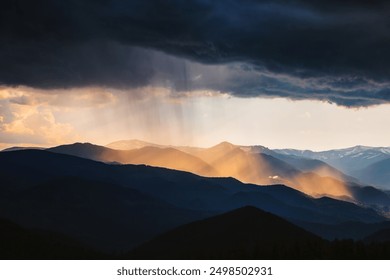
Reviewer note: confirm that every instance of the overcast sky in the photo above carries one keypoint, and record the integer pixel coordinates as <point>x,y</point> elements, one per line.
<point>298,74</point>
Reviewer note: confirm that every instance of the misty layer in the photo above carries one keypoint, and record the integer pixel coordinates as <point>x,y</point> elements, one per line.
<point>222,160</point>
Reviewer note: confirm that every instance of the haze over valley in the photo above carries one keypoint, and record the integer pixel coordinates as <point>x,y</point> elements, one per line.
<point>116,199</point>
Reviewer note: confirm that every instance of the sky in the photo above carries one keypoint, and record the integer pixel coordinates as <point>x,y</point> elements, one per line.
<point>283,74</point>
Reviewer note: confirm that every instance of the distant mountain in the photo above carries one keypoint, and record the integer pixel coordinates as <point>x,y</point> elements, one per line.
<point>347,160</point>
<point>87,150</point>
<point>260,168</point>
<point>245,233</point>
<point>347,165</point>
<point>138,144</point>
<point>225,159</point>
<point>378,173</point>
<point>258,149</point>
<point>154,156</point>
<point>371,196</point>
<point>231,160</point>
<point>228,160</point>
<point>314,165</point>
<point>21,148</point>
<point>244,163</point>
<point>132,144</point>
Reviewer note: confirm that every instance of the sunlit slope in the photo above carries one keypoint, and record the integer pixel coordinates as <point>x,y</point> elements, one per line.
<point>154,156</point>
<point>310,176</point>
<point>181,189</point>
<point>259,168</point>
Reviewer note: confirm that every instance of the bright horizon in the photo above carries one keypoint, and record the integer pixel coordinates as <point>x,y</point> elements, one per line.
<point>33,117</point>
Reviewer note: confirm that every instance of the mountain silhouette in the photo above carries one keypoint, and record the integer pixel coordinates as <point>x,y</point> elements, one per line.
<point>377,174</point>
<point>382,235</point>
<point>116,207</point>
<point>319,167</point>
<point>250,166</point>
<point>224,159</point>
<point>245,233</point>
<point>228,160</point>
<point>20,243</point>
<point>102,215</point>
<point>345,230</point>
<point>231,160</point>
<point>154,156</point>
<point>184,190</point>
<point>371,196</point>
<point>249,233</point>
<point>132,144</point>
<point>21,148</point>
<point>347,160</point>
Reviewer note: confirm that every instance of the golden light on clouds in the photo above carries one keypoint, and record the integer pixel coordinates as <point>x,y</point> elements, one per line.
<point>28,116</point>
<point>196,118</point>
<point>36,125</point>
<point>72,98</point>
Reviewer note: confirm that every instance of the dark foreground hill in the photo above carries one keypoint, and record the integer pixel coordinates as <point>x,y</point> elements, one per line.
<point>20,243</point>
<point>118,207</point>
<point>250,233</point>
<point>245,233</point>
<point>382,235</point>
<point>102,215</point>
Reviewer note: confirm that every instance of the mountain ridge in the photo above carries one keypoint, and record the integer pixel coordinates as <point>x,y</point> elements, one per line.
<point>226,160</point>
<point>249,231</point>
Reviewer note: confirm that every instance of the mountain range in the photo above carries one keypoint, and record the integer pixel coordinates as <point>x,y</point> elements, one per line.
<point>122,200</point>
<point>248,165</point>
<point>358,164</point>
<point>368,164</point>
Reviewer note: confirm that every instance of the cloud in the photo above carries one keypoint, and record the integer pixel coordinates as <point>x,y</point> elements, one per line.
<point>300,49</point>
<point>66,98</point>
<point>28,115</point>
<point>35,125</point>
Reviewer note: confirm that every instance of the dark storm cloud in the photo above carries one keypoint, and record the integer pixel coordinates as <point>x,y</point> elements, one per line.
<point>329,50</point>
<point>84,63</point>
